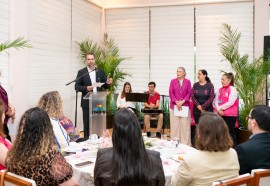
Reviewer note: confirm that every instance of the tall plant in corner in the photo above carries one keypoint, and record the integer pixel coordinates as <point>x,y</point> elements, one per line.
<point>17,44</point>
<point>250,76</point>
<point>107,58</point>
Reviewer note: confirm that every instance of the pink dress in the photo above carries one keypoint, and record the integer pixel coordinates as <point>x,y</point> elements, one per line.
<point>8,145</point>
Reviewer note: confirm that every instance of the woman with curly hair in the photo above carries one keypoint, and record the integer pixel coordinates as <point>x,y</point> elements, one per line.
<point>51,102</point>
<point>34,154</point>
<point>5,144</point>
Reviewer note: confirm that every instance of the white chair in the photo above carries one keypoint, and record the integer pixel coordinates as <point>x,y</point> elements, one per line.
<point>261,177</point>
<point>10,179</point>
<point>242,180</point>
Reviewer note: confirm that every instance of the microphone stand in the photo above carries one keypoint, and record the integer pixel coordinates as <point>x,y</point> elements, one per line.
<point>76,88</point>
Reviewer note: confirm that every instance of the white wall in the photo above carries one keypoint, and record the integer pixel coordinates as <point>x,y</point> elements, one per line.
<point>4,36</point>
<point>171,37</point>
<point>140,3</point>
<point>261,25</point>
<point>53,28</point>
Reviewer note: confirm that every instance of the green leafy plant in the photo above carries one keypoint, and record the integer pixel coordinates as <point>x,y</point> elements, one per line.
<point>250,76</point>
<point>108,58</point>
<point>17,44</point>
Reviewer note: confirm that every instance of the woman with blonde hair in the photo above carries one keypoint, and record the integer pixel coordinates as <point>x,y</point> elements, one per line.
<point>34,153</point>
<point>180,92</point>
<point>214,160</point>
<point>5,144</point>
<point>51,102</point>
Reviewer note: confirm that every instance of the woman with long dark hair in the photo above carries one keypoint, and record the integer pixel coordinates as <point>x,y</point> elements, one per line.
<point>128,162</point>
<point>34,153</point>
<point>121,99</point>
<point>202,95</point>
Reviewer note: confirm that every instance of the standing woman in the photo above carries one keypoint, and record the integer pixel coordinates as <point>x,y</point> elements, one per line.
<point>5,144</point>
<point>226,104</point>
<point>180,91</point>
<point>203,94</point>
<point>9,110</point>
<point>121,99</point>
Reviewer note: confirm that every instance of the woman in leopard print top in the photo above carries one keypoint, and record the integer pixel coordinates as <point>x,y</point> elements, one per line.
<point>34,154</point>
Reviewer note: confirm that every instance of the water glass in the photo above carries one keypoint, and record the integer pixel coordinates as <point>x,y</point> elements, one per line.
<point>175,142</point>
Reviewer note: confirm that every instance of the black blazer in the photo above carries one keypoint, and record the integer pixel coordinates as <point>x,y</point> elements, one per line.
<point>254,154</point>
<point>85,81</point>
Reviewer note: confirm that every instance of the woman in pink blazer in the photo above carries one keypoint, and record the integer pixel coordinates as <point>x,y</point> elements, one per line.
<point>180,92</point>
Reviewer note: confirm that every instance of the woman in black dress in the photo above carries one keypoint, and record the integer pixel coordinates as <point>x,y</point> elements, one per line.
<point>203,94</point>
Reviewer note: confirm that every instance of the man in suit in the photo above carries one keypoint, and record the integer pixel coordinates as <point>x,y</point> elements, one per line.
<point>255,153</point>
<point>85,85</point>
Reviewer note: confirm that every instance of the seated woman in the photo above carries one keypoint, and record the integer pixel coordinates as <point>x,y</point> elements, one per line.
<point>121,99</point>
<point>128,162</point>
<point>34,154</point>
<point>51,102</point>
<point>214,160</point>
<point>5,144</point>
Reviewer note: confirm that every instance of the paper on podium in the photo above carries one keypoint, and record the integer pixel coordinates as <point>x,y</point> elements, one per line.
<point>97,84</point>
<point>181,113</point>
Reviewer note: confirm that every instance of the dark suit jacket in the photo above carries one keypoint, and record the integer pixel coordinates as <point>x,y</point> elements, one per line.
<point>85,81</point>
<point>254,154</point>
<point>103,168</point>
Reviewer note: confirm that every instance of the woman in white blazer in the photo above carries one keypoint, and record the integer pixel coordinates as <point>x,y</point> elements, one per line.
<point>214,158</point>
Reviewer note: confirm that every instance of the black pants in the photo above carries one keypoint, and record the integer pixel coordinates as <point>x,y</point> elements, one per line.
<point>231,120</point>
<point>6,131</point>
<point>86,122</point>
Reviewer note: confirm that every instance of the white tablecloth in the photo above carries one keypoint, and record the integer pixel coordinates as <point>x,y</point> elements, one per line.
<point>168,153</point>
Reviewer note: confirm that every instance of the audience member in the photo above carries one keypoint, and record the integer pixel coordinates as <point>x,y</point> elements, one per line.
<point>9,111</point>
<point>128,162</point>
<point>214,160</point>
<point>52,104</point>
<point>203,94</point>
<point>5,144</point>
<point>34,153</point>
<point>121,99</point>
<point>226,103</point>
<point>255,153</point>
<point>180,92</point>
<point>153,103</point>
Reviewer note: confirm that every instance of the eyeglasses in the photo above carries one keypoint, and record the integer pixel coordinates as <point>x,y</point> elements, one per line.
<point>248,117</point>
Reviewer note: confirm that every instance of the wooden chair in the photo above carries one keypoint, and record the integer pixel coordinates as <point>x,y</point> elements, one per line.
<point>10,179</point>
<point>261,177</point>
<point>243,180</point>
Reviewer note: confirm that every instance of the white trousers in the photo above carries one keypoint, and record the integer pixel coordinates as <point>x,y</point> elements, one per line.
<point>180,128</point>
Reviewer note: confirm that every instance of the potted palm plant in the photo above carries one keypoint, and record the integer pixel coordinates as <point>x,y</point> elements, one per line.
<point>107,58</point>
<point>250,76</point>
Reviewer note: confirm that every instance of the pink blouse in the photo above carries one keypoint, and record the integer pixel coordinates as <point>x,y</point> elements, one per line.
<point>8,145</point>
